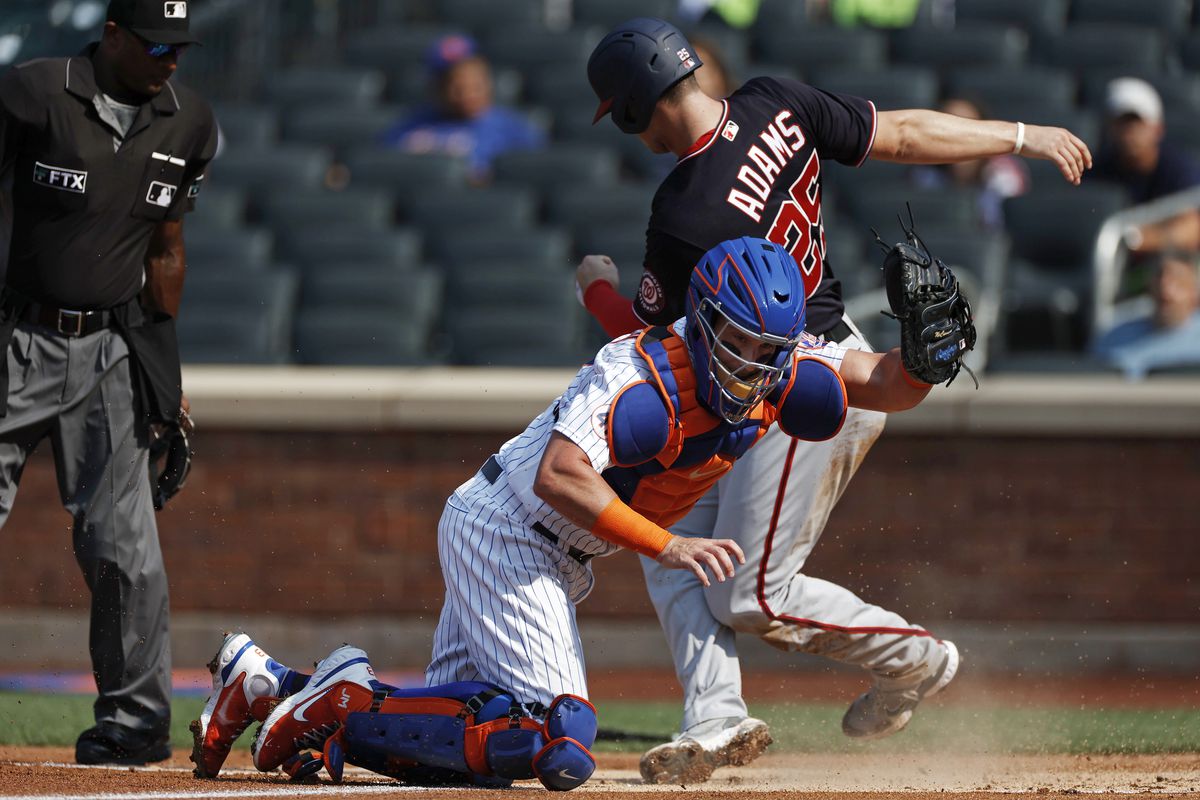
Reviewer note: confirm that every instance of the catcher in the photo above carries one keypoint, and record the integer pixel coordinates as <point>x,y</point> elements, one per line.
<point>639,436</point>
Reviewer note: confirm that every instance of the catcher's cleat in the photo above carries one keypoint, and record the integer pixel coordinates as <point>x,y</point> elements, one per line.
<point>884,709</point>
<point>243,674</point>
<point>343,683</point>
<point>693,755</point>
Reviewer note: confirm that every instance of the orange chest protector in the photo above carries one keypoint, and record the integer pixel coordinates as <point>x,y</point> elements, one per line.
<point>667,449</point>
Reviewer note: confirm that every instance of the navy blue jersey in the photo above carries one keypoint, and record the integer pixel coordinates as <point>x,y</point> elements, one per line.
<point>759,174</point>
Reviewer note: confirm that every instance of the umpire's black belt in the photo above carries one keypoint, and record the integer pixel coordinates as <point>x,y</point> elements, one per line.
<point>67,322</point>
<point>492,470</point>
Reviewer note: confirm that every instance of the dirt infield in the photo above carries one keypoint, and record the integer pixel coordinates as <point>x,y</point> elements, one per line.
<point>43,773</point>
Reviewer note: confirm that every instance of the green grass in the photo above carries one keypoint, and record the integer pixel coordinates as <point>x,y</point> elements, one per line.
<point>42,719</point>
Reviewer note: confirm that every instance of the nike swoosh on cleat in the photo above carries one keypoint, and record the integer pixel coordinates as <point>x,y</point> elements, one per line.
<point>299,712</point>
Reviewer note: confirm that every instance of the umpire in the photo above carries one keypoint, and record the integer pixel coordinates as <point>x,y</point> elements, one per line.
<point>107,154</point>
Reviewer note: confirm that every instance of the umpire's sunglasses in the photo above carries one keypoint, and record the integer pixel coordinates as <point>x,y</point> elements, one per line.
<point>158,49</point>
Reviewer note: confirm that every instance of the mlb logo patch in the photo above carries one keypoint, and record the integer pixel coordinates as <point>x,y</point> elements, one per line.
<point>175,10</point>
<point>730,131</point>
<point>160,194</point>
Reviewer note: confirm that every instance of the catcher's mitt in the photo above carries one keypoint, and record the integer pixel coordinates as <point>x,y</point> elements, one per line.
<point>936,324</point>
<point>172,447</point>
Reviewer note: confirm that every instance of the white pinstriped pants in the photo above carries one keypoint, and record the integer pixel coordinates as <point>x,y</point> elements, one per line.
<point>509,613</point>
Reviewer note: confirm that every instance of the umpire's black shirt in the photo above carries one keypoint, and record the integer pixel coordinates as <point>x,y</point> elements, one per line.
<point>82,213</point>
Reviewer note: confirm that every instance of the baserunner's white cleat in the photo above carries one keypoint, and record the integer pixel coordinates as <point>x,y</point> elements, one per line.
<point>692,756</point>
<point>884,710</point>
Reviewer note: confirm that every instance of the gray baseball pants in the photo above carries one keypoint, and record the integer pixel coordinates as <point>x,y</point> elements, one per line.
<point>79,392</point>
<point>774,503</point>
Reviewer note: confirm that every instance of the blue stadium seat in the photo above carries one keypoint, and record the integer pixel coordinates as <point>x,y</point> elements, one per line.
<point>994,86</point>
<point>894,88</point>
<point>512,283</point>
<point>1084,47</point>
<point>556,88</point>
<point>625,207</point>
<point>245,126</point>
<point>339,127</point>
<point>481,16</point>
<point>266,170</point>
<point>342,86</point>
<point>559,165</point>
<point>455,212</point>
<point>393,46</point>
<point>534,49</point>
<point>1169,16</point>
<point>378,166</point>
<point>828,48</point>
<point>945,206</point>
<point>371,209</point>
<point>609,13</point>
<point>226,336</point>
<point>1037,17</point>
<point>270,295</point>
<point>980,44</point>
<point>1178,92</point>
<point>244,249</point>
<point>414,295</point>
<point>218,208</point>
<point>510,337</point>
<point>537,247</point>
<point>356,337</point>
<point>398,246</point>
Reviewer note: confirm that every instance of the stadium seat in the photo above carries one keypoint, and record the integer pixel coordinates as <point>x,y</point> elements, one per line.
<point>609,13</point>
<point>510,337</point>
<point>1053,232</point>
<point>247,126</point>
<point>406,172</point>
<point>1178,92</point>
<point>840,183</point>
<point>944,206</point>
<point>341,86</point>
<point>536,49</point>
<point>339,127</point>
<point>244,249</point>
<point>559,165</point>
<point>538,247</point>
<point>815,49</point>
<point>1083,47</point>
<point>556,88</point>
<point>1189,52</point>
<point>893,88</point>
<point>268,294</point>
<point>1183,127</point>
<point>217,208</point>
<point>512,284</point>
<point>398,246</point>
<point>354,337</point>
<point>625,207</point>
<point>226,336</point>
<point>481,16</point>
<point>980,44</point>
<point>391,47</point>
<point>1169,16</point>
<point>992,86</point>
<point>414,295</point>
<point>276,168</point>
<point>358,209</point>
<point>457,211</point>
<point>1037,17</point>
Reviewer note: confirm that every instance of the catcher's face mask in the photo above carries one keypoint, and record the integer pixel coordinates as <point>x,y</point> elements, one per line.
<point>743,366</point>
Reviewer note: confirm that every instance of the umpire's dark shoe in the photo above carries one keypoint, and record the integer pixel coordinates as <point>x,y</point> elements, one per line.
<point>110,743</point>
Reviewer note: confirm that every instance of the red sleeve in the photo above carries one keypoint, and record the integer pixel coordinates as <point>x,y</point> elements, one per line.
<point>611,310</point>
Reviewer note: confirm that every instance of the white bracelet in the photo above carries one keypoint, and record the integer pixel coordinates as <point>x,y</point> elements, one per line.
<point>1020,138</point>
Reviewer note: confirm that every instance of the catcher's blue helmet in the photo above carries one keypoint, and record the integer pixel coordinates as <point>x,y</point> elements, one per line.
<point>751,286</point>
<point>634,65</point>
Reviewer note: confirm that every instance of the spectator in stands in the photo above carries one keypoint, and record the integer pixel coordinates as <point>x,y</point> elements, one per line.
<point>463,121</point>
<point>1170,335</point>
<point>996,178</point>
<point>1136,156</point>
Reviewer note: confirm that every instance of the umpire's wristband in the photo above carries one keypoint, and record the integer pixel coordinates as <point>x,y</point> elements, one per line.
<point>621,525</point>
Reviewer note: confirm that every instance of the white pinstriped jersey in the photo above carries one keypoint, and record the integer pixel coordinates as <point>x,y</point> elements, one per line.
<point>580,414</point>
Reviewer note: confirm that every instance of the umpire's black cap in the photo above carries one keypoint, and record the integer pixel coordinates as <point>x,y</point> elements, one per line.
<point>160,21</point>
<point>634,65</point>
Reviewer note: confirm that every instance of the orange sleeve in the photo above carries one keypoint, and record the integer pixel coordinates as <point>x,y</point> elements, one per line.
<point>621,525</point>
<point>611,310</point>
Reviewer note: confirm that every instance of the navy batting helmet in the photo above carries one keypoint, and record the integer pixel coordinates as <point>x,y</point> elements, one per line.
<point>634,65</point>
